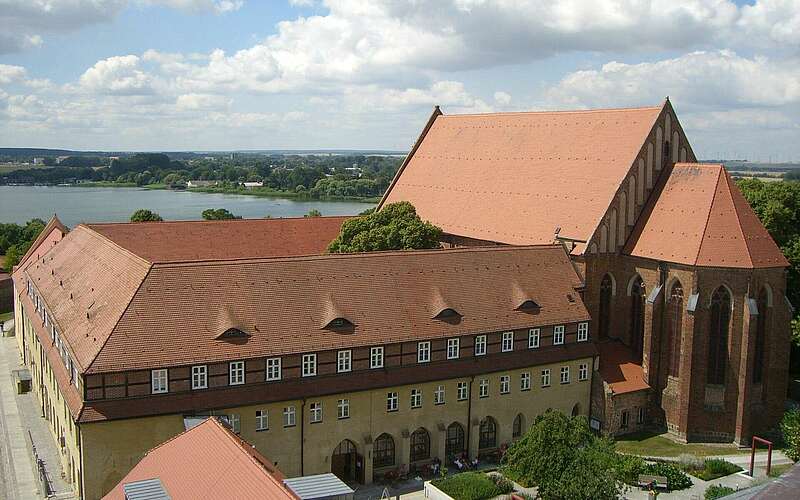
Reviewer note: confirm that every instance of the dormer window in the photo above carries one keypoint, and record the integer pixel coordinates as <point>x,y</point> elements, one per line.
<point>447,313</point>
<point>232,333</point>
<point>339,324</point>
<point>528,306</point>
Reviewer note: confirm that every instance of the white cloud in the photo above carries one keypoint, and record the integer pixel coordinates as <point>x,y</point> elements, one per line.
<point>10,73</point>
<point>502,98</point>
<point>120,75</point>
<point>201,101</point>
<point>199,6</point>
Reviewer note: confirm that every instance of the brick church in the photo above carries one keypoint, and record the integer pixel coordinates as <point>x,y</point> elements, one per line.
<point>686,289</point>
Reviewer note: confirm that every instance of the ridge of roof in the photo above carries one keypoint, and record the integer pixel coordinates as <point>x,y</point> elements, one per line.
<point>53,223</point>
<point>556,111</point>
<point>204,221</point>
<point>360,255</point>
<point>708,215</point>
<point>724,177</point>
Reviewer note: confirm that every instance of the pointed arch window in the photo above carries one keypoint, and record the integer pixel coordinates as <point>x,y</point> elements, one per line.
<point>675,322</point>
<point>383,451</point>
<point>606,292</point>
<point>761,334</point>
<point>454,445</point>
<point>420,445</point>
<point>488,434</point>
<point>637,318</point>
<point>718,335</point>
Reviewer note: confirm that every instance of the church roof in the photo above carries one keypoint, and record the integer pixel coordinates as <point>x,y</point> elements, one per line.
<point>514,177</point>
<point>699,217</point>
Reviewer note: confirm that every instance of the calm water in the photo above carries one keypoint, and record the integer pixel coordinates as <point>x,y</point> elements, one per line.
<point>74,204</point>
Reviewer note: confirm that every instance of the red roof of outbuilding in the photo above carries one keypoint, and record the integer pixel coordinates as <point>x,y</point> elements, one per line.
<point>699,217</point>
<point>211,462</point>
<point>619,369</point>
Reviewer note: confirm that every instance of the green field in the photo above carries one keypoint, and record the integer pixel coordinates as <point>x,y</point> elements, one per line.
<point>10,167</point>
<point>656,445</point>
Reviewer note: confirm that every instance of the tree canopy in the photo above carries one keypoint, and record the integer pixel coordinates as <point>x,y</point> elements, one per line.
<point>144,215</point>
<point>15,240</point>
<point>218,214</point>
<point>395,227</point>
<point>564,459</point>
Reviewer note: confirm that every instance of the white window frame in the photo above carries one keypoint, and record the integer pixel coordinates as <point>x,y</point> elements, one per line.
<point>463,391</point>
<point>438,395</point>
<point>274,369</point>
<point>480,340</point>
<point>483,388</point>
<point>416,398</point>
<point>262,420</point>
<point>343,409</point>
<point>583,331</point>
<point>564,375</point>
<point>376,357</point>
<point>344,361</point>
<point>309,365</point>
<point>423,352</point>
<point>315,412</point>
<point>453,346</point>
<point>546,377</point>
<point>525,381</point>
<point>236,373</point>
<point>583,372</point>
<point>534,336</point>
<point>159,381</point>
<point>505,384</point>
<point>507,344</point>
<point>199,377</point>
<point>235,420</point>
<point>289,416</point>
<point>392,402</point>
<point>558,334</point>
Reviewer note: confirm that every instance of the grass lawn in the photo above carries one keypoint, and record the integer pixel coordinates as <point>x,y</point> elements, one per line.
<point>6,316</point>
<point>777,470</point>
<point>656,445</point>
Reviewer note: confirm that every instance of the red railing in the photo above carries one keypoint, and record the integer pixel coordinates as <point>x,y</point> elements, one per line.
<point>757,439</point>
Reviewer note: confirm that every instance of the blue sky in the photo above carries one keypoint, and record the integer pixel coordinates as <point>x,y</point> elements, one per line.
<point>249,74</point>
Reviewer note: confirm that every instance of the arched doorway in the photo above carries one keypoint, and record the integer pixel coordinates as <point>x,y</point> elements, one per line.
<point>606,292</point>
<point>488,434</point>
<point>576,410</point>
<point>420,445</point>
<point>454,445</point>
<point>346,463</point>
<point>637,318</point>
<point>519,426</point>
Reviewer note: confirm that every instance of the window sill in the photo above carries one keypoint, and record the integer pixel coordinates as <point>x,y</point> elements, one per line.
<point>262,430</point>
<point>343,418</point>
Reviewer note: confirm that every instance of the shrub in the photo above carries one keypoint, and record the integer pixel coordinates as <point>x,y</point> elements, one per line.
<point>503,484</point>
<point>629,467</point>
<point>714,468</point>
<point>676,478</point>
<point>691,462</point>
<point>469,486</point>
<point>790,426</point>
<point>717,491</point>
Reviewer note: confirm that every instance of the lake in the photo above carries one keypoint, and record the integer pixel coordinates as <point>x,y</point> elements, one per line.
<point>77,204</point>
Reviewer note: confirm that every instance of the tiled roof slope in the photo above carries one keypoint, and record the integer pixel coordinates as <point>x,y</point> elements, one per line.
<point>699,217</point>
<point>86,282</point>
<point>514,177</point>
<point>619,369</point>
<point>208,461</point>
<point>54,224</point>
<point>283,305</point>
<point>174,241</point>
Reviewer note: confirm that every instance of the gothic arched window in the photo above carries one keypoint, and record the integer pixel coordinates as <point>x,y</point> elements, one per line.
<point>637,318</point>
<point>675,320</point>
<point>761,334</point>
<point>604,319</point>
<point>718,335</point>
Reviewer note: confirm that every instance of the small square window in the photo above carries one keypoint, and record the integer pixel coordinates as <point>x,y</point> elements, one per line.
<point>159,381</point>
<point>583,332</point>
<point>463,391</point>
<point>344,361</point>
<point>480,345</point>
<point>273,369</point>
<point>289,416</point>
<point>343,409</point>
<point>533,338</point>
<point>416,398</point>
<point>508,342</point>
<point>438,395</point>
<point>525,382</point>
<point>565,374</point>
<point>376,357</point>
<point>452,348</point>
<point>262,420</point>
<point>199,377</point>
<point>315,412</point>
<point>546,377</point>
<point>309,365</point>
<point>391,401</point>
<point>423,352</point>
<point>236,373</point>
<point>483,388</point>
<point>558,334</point>
<point>505,384</point>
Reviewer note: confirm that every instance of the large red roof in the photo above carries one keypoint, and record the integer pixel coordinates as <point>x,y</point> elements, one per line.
<point>211,462</point>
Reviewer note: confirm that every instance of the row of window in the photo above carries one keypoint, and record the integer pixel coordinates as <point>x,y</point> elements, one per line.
<point>344,359</point>
<point>51,330</point>
<point>393,398</point>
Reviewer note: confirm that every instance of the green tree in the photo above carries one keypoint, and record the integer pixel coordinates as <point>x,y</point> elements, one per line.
<point>564,459</point>
<point>15,253</point>
<point>395,227</point>
<point>313,213</point>
<point>790,426</point>
<point>144,215</point>
<point>218,214</point>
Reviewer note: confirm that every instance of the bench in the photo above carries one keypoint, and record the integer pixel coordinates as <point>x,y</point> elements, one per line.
<point>647,481</point>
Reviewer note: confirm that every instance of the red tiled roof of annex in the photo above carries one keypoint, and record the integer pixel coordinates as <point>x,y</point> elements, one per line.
<point>619,368</point>
<point>514,177</point>
<point>700,218</point>
<point>177,241</point>
<point>208,458</point>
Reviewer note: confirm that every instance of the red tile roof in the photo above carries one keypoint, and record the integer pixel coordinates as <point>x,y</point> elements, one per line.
<point>176,241</point>
<point>699,217</point>
<point>283,305</point>
<point>208,461</point>
<point>50,235</point>
<point>619,369</point>
<point>514,177</point>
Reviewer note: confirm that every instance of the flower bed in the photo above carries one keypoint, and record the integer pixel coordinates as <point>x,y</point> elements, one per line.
<point>473,486</point>
<point>713,468</point>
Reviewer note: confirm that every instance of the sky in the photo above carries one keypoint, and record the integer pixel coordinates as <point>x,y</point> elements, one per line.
<point>300,74</point>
